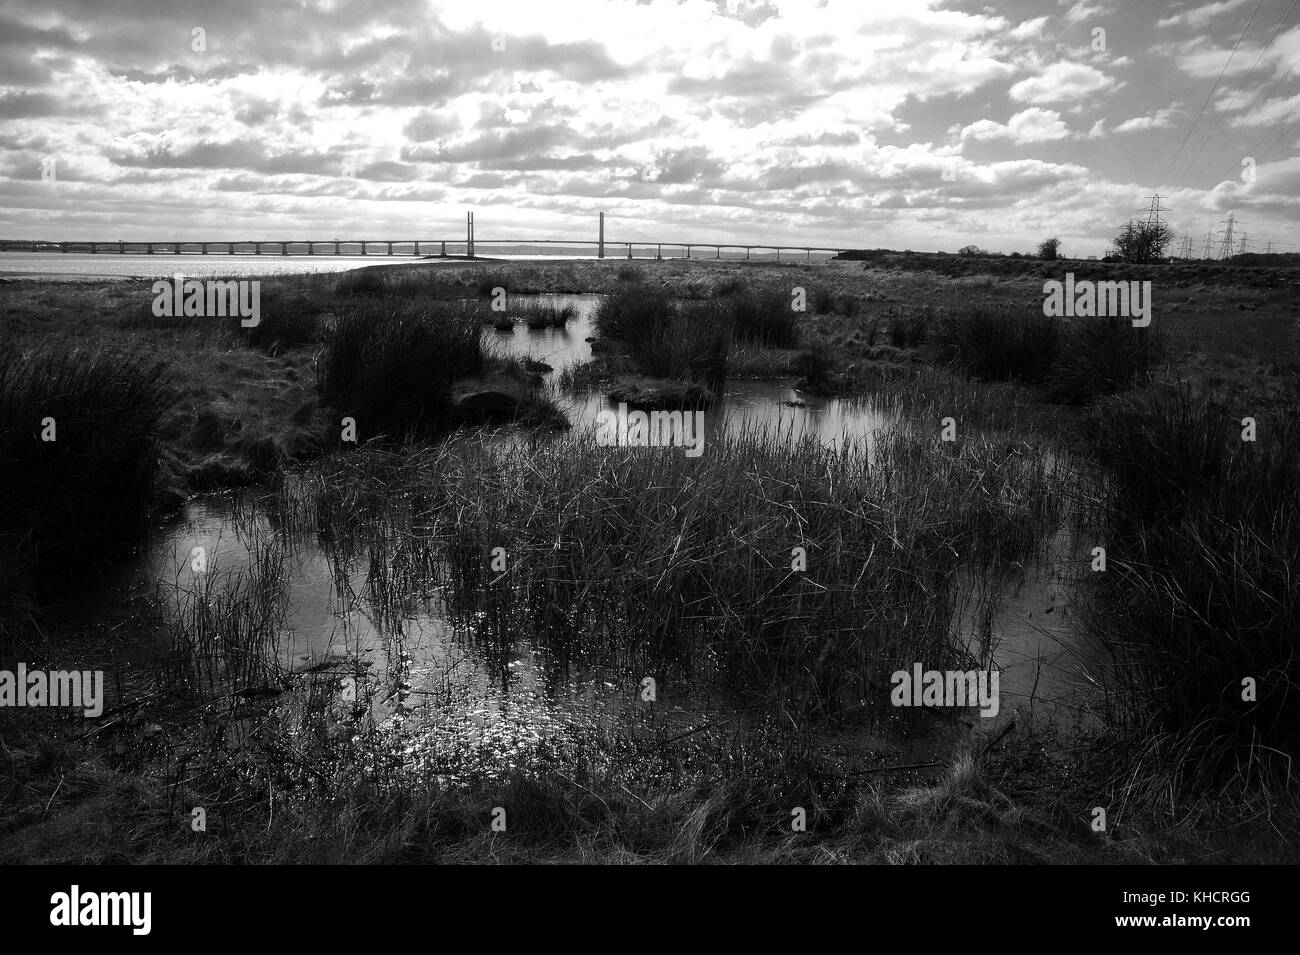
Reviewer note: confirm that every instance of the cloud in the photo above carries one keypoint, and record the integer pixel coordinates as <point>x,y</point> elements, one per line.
<point>1061,82</point>
<point>754,118</point>
<point>1200,16</point>
<point>1029,28</point>
<point>1161,119</point>
<point>1032,125</point>
<point>1084,11</point>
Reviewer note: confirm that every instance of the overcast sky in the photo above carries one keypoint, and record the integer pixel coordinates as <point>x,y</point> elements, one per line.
<point>858,123</point>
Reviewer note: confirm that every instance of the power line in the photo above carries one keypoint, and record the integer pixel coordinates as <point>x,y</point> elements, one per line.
<point>1267,96</point>
<point>1271,131</point>
<point>1209,97</point>
<point>1210,135</point>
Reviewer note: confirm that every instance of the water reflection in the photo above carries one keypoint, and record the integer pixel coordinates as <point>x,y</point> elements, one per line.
<point>398,654</point>
<point>773,408</point>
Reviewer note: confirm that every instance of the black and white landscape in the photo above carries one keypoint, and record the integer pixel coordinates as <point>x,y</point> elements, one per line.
<point>683,431</point>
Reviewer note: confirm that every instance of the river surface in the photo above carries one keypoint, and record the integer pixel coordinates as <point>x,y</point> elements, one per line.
<point>84,266</point>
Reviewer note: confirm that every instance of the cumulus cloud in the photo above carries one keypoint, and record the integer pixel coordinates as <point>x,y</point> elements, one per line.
<point>1085,10</point>
<point>754,118</point>
<point>1030,29</point>
<point>1200,16</point>
<point>1161,119</point>
<point>1032,125</point>
<point>1061,82</point>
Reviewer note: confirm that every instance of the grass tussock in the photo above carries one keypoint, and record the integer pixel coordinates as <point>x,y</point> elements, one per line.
<point>392,367</point>
<point>1070,363</point>
<point>538,313</point>
<point>79,458</point>
<point>993,344</point>
<point>666,339</point>
<point>815,365</point>
<point>763,318</point>
<point>1202,592</point>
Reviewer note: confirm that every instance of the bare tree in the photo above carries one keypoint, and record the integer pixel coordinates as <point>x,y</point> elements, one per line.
<point>1142,241</point>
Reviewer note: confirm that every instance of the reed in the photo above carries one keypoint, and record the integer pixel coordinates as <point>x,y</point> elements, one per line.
<point>392,367</point>
<point>1202,531</point>
<point>78,457</point>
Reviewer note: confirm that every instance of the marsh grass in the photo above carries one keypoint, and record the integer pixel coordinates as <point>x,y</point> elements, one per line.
<point>392,366</point>
<point>401,283</point>
<point>907,330</point>
<point>1102,356</point>
<point>763,317</point>
<point>685,566</point>
<point>290,317</point>
<point>993,344</point>
<point>536,313</point>
<point>1071,363</point>
<point>815,365</point>
<point>632,562</point>
<point>666,339</point>
<point>1203,536</point>
<point>823,300</point>
<point>224,628</point>
<point>81,501</point>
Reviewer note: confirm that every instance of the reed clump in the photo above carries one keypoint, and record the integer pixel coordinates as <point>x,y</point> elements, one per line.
<point>79,458</point>
<point>1200,599</point>
<point>392,366</point>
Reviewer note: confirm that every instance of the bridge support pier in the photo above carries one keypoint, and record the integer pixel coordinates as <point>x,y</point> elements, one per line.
<point>390,248</point>
<point>148,249</point>
<point>336,246</point>
<point>121,248</point>
<point>718,252</point>
<point>659,254</point>
<point>688,251</point>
